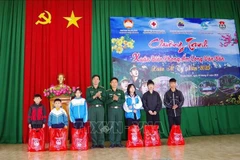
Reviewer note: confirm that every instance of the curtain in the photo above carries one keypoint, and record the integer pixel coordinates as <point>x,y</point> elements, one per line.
<point>55,48</point>
<point>12,20</point>
<point>204,120</point>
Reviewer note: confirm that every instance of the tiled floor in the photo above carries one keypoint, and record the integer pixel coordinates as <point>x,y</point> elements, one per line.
<point>224,147</point>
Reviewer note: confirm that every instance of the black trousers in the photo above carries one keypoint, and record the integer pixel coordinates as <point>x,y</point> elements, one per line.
<point>131,121</point>
<point>174,120</point>
<point>36,125</point>
<point>153,119</point>
<point>60,125</point>
<point>78,123</point>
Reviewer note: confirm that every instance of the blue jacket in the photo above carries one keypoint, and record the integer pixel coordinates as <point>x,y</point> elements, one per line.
<point>78,109</point>
<point>57,117</point>
<point>131,104</point>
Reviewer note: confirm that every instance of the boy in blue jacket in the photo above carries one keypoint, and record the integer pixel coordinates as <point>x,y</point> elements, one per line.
<point>78,110</point>
<point>58,116</point>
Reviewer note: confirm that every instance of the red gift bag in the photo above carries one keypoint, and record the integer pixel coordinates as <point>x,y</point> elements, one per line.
<point>58,139</point>
<point>79,139</point>
<point>134,137</point>
<point>36,140</point>
<point>151,136</point>
<point>175,137</point>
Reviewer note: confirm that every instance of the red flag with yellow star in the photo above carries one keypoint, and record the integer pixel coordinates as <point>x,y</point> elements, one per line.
<point>57,40</point>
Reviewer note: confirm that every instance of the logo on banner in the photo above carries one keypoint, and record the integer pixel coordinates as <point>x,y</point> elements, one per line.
<point>44,19</point>
<point>180,24</point>
<point>204,25</point>
<point>153,24</point>
<point>222,25</point>
<point>128,23</point>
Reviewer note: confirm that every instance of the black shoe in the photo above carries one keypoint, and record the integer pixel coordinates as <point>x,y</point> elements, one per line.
<point>112,146</point>
<point>100,146</point>
<point>94,146</point>
<point>119,145</point>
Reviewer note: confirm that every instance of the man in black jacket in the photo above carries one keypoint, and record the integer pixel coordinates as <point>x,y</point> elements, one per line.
<point>152,104</point>
<point>173,100</point>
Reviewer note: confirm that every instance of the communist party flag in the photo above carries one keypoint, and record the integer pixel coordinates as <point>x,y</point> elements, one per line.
<point>57,40</point>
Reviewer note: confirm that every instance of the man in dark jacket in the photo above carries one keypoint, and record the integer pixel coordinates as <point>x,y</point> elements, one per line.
<point>152,104</point>
<point>173,100</point>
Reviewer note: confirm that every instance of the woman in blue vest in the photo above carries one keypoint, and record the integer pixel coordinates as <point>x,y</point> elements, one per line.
<point>132,106</point>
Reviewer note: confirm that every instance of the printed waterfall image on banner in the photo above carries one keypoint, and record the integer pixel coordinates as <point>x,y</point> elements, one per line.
<point>202,54</point>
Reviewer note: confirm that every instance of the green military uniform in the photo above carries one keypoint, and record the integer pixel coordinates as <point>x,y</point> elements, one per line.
<point>115,115</point>
<point>96,114</point>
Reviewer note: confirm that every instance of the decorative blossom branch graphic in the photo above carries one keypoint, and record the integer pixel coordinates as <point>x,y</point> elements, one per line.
<point>122,43</point>
<point>228,40</point>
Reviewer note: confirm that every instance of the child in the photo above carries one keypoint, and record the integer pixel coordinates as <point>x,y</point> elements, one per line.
<point>58,116</point>
<point>78,110</point>
<point>37,113</point>
<point>173,100</point>
<point>132,106</point>
<point>152,104</point>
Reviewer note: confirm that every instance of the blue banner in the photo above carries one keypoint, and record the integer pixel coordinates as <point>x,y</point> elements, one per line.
<point>202,54</point>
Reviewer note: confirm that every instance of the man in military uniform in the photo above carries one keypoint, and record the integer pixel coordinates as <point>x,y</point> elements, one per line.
<point>135,77</point>
<point>95,98</point>
<point>114,100</point>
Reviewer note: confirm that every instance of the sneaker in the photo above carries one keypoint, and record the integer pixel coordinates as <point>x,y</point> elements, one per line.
<point>94,146</point>
<point>119,145</point>
<point>100,146</point>
<point>112,146</point>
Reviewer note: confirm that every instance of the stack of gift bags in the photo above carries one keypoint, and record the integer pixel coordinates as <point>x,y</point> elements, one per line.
<point>152,137</point>
<point>79,138</point>
<point>58,139</point>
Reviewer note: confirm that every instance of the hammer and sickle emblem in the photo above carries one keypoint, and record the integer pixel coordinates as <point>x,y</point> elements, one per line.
<point>46,19</point>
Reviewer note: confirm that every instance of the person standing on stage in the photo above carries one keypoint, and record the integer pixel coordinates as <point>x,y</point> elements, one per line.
<point>132,106</point>
<point>173,100</point>
<point>152,104</point>
<point>78,110</point>
<point>114,101</point>
<point>96,97</point>
<point>37,116</point>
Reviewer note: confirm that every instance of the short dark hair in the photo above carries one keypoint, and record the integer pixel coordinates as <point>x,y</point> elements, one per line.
<point>114,78</point>
<point>128,89</point>
<point>78,89</point>
<point>96,75</point>
<point>172,80</point>
<point>150,82</point>
<point>37,95</point>
<point>57,99</point>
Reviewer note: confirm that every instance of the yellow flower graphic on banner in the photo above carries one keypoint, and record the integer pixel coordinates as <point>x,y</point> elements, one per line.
<point>119,50</point>
<point>122,43</point>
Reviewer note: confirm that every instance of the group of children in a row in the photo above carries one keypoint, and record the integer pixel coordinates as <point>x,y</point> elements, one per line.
<point>130,102</point>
